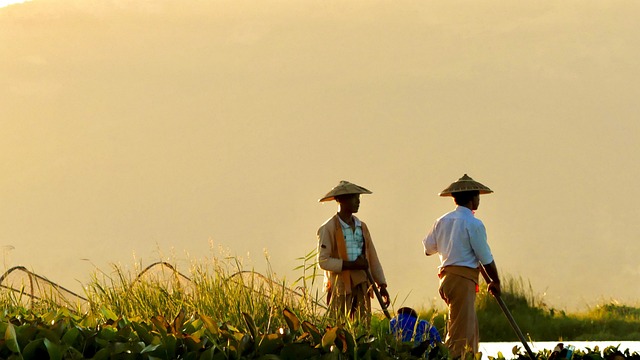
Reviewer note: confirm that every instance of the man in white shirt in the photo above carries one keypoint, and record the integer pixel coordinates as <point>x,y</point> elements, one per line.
<point>460,239</point>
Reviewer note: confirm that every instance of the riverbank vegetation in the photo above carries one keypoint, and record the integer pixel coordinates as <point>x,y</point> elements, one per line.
<point>609,321</point>
<point>217,309</point>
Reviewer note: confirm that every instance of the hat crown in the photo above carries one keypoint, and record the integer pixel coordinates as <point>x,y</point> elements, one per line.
<point>344,188</point>
<point>465,183</point>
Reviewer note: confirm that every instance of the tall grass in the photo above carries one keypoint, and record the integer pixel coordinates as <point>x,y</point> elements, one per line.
<point>221,288</point>
<point>224,289</point>
<point>540,322</point>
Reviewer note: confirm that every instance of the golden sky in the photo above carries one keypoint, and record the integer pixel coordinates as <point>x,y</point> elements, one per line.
<point>4,3</point>
<point>155,128</point>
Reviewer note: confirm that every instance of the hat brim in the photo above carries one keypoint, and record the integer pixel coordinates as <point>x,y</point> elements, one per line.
<point>465,183</point>
<point>344,188</point>
<point>445,193</point>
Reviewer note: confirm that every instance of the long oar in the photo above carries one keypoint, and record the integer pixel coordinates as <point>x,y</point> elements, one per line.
<point>377,292</point>
<point>374,286</point>
<point>506,312</point>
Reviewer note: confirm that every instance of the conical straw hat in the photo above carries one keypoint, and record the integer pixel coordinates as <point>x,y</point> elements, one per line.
<point>465,183</point>
<point>344,188</point>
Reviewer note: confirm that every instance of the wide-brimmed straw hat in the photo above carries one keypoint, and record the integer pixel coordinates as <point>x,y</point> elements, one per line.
<point>344,188</point>
<point>465,183</point>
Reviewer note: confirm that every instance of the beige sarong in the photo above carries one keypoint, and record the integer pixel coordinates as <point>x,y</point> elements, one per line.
<point>355,305</point>
<point>458,290</point>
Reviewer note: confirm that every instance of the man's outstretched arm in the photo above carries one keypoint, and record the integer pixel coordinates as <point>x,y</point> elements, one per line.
<point>491,271</point>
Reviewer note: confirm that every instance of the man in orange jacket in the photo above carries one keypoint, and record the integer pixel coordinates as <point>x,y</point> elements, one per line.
<point>345,252</point>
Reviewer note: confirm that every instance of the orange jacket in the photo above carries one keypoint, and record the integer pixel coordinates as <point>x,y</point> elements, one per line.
<point>332,252</point>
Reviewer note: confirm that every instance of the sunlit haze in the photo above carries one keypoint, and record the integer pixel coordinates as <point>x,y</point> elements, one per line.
<point>163,130</point>
<point>4,3</point>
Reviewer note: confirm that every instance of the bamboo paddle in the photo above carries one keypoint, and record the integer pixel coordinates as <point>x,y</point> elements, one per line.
<point>507,313</point>
<point>374,286</point>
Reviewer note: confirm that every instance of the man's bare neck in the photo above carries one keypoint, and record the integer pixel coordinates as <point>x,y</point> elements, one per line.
<point>346,217</point>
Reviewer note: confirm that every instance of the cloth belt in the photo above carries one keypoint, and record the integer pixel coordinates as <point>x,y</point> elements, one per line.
<point>472,274</point>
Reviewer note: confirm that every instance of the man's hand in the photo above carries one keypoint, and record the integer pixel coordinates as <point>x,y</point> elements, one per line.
<point>386,299</point>
<point>360,263</point>
<point>490,274</point>
<point>494,288</point>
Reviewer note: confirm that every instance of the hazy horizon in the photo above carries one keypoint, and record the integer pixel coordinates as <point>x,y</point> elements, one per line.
<point>164,129</point>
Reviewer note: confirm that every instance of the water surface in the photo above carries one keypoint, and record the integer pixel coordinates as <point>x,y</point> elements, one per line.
<point>492,348</point>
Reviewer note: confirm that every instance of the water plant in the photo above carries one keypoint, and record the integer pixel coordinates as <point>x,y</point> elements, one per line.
<point>219,309</point>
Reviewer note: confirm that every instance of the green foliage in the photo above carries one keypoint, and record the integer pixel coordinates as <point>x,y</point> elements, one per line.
<point>65,336</point>
<point>221,311</point>
<point>609,321</point>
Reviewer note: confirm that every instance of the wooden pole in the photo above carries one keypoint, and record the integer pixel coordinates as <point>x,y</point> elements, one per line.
<point>373,283</point>
<point>378,296</point>
<point>507,313</point>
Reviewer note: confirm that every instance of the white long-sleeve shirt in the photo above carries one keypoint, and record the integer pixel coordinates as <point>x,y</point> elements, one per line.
<point>460,239</point>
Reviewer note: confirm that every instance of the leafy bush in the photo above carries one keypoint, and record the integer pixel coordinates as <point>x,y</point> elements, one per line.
<point>221,311</point>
